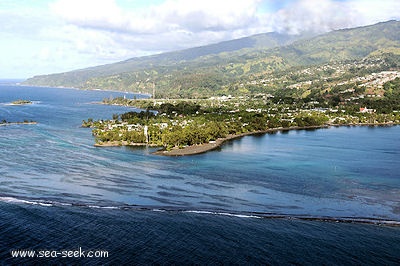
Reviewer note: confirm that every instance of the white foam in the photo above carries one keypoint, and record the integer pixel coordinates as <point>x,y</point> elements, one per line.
<point>158,210</point>
<point>15,200</point>
<point>8,199</point>
<point>224,214</point>
<point>103,207</point>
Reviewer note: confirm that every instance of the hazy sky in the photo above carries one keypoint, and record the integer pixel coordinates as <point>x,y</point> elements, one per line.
<point>49,36</point>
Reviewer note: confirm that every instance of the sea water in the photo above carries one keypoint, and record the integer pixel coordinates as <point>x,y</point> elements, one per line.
<point>296,197</point>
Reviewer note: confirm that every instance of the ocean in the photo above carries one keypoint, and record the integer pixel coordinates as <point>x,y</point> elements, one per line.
<point>327,196</point>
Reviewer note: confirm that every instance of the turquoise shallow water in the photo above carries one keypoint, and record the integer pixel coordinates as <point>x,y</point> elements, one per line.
<point>51,171</point>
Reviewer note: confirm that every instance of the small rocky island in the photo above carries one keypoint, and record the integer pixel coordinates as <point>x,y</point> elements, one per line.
<point>25,122</point>
<point>21,102</point>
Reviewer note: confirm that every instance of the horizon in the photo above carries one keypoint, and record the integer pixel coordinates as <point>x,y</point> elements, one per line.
<point>56,36</point>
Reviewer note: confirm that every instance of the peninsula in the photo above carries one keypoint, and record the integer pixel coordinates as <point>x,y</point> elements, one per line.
<point>187,127</point>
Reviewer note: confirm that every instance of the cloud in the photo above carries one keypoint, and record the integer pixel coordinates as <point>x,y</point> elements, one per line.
<point>373,11</point>
<point>62,35</point>
<point>327,15</point>
<point>313,16</point>
<point>208,15</point>
<point>172,15</point>
<point>89,13</point>
<point>110,30</point>
<point>116,32</point>
<point>190,22</point>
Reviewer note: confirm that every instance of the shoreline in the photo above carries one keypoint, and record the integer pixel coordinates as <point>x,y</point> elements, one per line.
<point>203,148</point>
<point>123,143</point>
<point>206,147</point>
<point>77,88</point>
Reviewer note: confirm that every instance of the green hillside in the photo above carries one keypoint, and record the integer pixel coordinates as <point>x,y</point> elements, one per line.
<point>248,65</point>
<point>170,60</point>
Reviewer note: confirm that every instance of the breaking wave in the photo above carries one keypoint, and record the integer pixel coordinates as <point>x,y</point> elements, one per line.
<point>219,212</point>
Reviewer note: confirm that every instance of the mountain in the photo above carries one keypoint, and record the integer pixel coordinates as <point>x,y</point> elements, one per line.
<point>221,68</point>
<point>78,78</point>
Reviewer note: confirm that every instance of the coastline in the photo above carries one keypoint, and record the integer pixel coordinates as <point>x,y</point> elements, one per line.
<point>203,148</point>
<point>206,147</point>
<point>21,84</point>
<point>122,143</point>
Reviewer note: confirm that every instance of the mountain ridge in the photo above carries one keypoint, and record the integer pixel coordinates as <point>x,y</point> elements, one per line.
<point>209,68</point>
<point>263,40</point>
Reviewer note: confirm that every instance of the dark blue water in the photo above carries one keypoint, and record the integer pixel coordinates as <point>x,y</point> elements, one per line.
<point>57,191</point>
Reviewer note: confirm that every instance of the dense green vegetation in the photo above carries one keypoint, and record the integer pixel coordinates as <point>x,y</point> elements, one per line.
<point>363,83</point>
<point>181,123</point>
<point>391,100</point>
